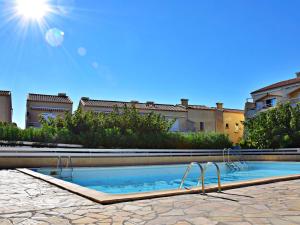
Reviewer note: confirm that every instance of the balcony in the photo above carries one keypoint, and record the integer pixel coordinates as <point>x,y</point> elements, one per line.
<point>252,108</point>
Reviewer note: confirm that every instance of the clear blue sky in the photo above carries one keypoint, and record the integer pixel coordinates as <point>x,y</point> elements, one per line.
<point>160,50</point>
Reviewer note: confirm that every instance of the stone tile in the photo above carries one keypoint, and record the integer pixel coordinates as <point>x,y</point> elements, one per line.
<point>28,201</point>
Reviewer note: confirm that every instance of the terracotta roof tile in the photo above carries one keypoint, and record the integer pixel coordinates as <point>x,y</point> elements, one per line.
<point>203,107</point>
<point>200,107</point>
<point>6,93</point>
<point>49,98</point>
<point>279,84</point>
<point>54,109</point>
<point>144,106</point>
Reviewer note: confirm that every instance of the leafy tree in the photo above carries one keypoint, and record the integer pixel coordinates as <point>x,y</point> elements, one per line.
<point>276,128</point>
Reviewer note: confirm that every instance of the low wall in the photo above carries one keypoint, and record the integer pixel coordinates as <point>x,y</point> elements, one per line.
<point>26,157</point>
<point>34,162</point>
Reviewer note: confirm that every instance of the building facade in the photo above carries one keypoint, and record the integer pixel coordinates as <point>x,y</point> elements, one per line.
<point>169,111</point>
<point>188,118</point>
<point>201,118</point>
<point>46,106</point>
<point>269,96</point>
<point>5,107</point>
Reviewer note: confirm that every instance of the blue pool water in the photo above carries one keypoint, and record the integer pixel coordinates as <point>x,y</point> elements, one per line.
<point>133,179</point>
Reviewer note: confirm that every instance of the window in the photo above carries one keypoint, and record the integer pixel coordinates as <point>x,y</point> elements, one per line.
<point>201,126</point>
<point>236,128</point>
<point>259,105</point>
<point>227,126</point>
<point>175,126</point>
<point>47,116</point>
<point>271,102</point>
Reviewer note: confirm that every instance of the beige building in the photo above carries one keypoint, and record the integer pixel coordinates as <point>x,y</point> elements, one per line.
<point>269,96</point>
<point>46,106</point>
<point>5,107</point>
<point>189,118</point>
<point>169,111</point>
<point>201,118</point>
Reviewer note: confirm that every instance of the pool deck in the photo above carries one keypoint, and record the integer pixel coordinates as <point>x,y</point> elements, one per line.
<point>25,200</point>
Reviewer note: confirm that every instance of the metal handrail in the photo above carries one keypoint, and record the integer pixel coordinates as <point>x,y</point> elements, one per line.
<point>228,154</point>
<point>219,176</point>
<point>201,176</point>
<point>224,150</point>
<point>69,164</point>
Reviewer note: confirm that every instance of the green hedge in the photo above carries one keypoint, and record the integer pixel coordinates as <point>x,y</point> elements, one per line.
<point>125,128</point>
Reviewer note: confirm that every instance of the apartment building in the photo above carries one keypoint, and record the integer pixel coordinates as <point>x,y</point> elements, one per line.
<point>46,106</point>
<point>5,107</point>
<point>269,96</point>
<point>188,118</point>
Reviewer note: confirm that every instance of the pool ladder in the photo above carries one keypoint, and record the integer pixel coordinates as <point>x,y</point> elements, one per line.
<point>202,175</point>
<point>233,165</point>
<point>69,165</point>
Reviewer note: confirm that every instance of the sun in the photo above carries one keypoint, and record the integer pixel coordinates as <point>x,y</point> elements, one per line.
<point>32,9</point>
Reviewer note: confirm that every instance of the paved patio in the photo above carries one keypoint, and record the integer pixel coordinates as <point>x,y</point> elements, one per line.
<point>25,200</point>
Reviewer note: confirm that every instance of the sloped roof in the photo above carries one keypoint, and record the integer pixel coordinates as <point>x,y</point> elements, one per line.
<point>203,107</point>
<point>200,107</point>
<point>5,93</point>
<point>278,84</point>
<point>138,105</point>
<point>49,98</point>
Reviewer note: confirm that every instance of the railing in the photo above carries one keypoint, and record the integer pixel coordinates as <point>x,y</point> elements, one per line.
<point>202,175</point>
<point>60,167</point>
<point>236,164</point>
<point>82,152</point>
<point>218,175</point>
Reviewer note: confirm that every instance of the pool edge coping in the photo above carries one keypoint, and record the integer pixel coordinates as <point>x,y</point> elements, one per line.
<point>104,198</point>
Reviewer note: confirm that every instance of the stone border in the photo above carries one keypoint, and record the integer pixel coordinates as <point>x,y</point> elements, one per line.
<point>104,198</point>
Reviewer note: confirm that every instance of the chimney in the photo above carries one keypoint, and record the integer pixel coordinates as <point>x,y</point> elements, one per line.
<point>150,103</point>
<point>62,94</point>
<point>85,98</point>
<point>134,102</point>
<point>219,105</point>
<point>184,102</point>
<point>298,74</point>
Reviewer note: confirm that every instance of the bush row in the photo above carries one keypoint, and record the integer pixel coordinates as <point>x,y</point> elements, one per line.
<point>125,128</point>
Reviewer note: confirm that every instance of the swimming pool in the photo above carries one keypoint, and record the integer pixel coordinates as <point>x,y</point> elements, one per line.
<point>136,179</point>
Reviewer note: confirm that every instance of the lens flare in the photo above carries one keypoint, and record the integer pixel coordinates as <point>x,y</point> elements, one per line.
<point>81,51</point>
<point>54,37</point>
<point>32,9</point>
<point>65,6</point>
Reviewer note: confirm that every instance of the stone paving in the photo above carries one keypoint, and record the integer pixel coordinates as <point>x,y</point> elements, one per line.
<point>28,201</point>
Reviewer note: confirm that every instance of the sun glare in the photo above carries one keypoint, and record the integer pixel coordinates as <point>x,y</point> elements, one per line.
<point>32,9</point>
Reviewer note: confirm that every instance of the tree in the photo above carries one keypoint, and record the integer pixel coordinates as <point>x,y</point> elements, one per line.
<point>276,128</point>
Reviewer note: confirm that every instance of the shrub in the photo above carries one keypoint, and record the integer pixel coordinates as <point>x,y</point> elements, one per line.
<point>125,128</point>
